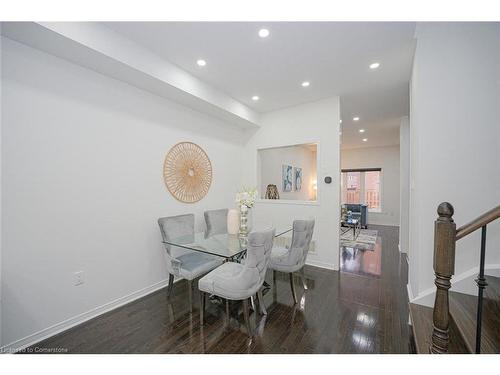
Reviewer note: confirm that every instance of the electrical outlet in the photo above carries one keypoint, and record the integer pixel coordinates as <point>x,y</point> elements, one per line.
<point>78,278</point>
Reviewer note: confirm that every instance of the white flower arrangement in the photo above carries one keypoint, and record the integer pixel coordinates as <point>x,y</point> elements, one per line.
<point>246,197</point>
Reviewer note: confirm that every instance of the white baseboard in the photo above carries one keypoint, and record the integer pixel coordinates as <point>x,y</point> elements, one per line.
<point>410,293</point>
<point>316,263</point>
<point>80,318</point>
<point>462,283</point>
<point>383,223</point>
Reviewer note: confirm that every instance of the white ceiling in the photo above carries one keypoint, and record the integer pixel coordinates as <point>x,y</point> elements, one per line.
<point>333,56</point>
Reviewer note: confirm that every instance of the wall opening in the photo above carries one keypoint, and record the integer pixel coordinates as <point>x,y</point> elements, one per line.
<point>288,172</point>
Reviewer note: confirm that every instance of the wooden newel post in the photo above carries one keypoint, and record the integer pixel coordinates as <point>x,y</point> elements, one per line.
<point>444,268</point>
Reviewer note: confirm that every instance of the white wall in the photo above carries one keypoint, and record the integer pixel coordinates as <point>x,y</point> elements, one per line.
<point>271,161</point>
<point>404,184</point>
<point>316,122</point>
<point>386,158</point>
<point>82,159</point>
<point>454,135</point>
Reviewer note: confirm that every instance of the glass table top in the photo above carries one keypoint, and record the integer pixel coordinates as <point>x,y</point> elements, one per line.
<point>222,245</point>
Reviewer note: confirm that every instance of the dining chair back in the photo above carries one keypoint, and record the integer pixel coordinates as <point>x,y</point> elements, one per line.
<point>259,249</point>
<point>216,221</point>
<point>183,263</point>
<point>176,227</point>
<point>301,241</point>
<point>292,258</point>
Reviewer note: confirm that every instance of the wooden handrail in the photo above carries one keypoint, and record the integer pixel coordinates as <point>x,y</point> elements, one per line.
<point>477,223</point>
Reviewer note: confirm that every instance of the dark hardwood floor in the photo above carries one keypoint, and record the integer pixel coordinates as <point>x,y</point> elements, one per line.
<point>341,312</point>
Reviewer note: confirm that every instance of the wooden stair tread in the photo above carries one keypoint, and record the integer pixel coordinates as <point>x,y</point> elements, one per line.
<point>421,318</point>
<point>492,291</point>
<point>463,310</point>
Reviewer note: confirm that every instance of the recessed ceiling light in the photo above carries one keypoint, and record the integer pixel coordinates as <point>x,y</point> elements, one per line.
<point>201,62</point>
<point>375,65</point>
<point>355,119</point>
<point>255,98</point>
<point>365,139</point>
<point>263,33</point>
<point>305,84</point>
<point>341,121</point>
<point>361,130</point>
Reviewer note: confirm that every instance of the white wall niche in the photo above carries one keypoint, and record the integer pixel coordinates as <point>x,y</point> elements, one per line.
<point>270,162</point>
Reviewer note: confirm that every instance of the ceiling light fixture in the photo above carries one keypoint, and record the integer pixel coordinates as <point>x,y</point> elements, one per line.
<point>340,121</point>
<point>255,98</point>
<point>201,62</point>
<point>365,139</point>
<point>263,33</point>
<point>305,84</point>
<point>375,65</point>
<point>355,119</point>
<point>361,130</point>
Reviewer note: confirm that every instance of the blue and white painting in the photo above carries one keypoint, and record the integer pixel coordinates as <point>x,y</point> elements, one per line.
<point>287,177</point>
<point>298,179</point>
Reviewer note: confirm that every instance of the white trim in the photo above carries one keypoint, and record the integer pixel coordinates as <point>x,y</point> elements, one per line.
<point>281,145</point>
<point>81,318</point>
<point>324,265</point>
<point>287,201</point>
<point>410,293</point>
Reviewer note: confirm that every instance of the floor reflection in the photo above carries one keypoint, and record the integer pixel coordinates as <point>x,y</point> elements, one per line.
<point>365,319</point>
<point>362,261</point>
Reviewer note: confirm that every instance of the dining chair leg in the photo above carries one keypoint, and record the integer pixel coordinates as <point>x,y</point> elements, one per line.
<point>170,285</point>
<point>275,287</point>
<point>252,303</point>
<point>202,308</point>
<point>246,317</point>
<point>292,285</point>
<point>261,303</point>
<point>303,278</point>
<point>190,295</point>
<point>228,319</point>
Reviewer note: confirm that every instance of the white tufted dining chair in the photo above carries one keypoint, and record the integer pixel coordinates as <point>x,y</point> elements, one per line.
<point>290,259</point>
<point>239,282</point>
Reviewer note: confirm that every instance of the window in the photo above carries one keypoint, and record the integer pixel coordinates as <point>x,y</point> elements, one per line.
<point>362,186</point>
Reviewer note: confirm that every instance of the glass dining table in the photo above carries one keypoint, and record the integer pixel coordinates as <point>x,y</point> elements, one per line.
<point>231,247</point>
<point>228,246</point>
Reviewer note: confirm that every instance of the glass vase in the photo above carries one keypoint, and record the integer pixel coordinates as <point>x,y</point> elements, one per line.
<point>243,221</point>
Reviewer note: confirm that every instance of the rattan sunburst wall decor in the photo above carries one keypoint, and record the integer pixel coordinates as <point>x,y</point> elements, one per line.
<point>187,172</point>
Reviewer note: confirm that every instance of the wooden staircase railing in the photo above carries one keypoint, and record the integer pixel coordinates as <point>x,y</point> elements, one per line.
<point>445,237</point>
